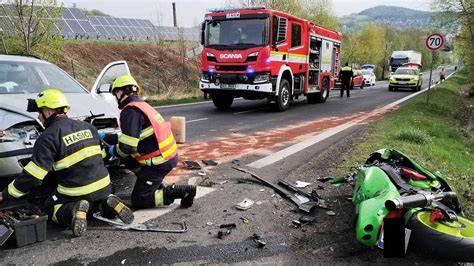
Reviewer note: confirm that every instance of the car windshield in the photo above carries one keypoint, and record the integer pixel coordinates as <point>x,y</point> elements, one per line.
<point>33,77</point>
<point>398,61</point>
<point>237,32</point>
<point>405,71</point>
<point>366,72</point>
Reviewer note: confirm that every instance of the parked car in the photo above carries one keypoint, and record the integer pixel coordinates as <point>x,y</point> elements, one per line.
<point>22,78</point>
<point>358,80</point>
<point>369,77</point>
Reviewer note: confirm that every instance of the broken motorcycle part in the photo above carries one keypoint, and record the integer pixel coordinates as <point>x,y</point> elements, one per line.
<point>142,227</point>
<point>192,165</point>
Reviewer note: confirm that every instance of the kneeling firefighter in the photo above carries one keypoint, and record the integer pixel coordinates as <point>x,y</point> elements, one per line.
<point>70,151</point>
<point>147,142</point>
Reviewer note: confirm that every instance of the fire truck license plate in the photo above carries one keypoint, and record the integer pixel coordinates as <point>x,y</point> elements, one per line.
<point>228,86</point>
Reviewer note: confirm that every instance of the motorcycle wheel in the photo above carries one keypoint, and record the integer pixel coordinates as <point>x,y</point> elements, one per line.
<point>446,240</point>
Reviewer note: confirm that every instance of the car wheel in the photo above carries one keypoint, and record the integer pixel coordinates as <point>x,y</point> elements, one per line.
<point>222,101</point>
<point>390,88</point>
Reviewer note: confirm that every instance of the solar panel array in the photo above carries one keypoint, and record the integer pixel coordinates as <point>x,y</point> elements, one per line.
<point>75,24</point>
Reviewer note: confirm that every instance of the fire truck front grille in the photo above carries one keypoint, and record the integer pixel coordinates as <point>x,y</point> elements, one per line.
<point>231,68</point>
<point>232,78</point>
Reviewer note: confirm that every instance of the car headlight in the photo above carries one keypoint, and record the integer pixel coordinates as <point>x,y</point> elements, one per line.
<point>211,57</point>
<point>392,79</point>
<point>205,77</point>
<point>261,78</point>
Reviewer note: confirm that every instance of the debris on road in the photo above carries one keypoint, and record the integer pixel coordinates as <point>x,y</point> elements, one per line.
<point>262,190</point>
<point>202,173</point>
<point>222,234</point>
<point>258,239</point>
<point>237,162</point>
<point>296,223</point>
<point>192,165</point>
<point>301,184</point>
<point>324,179</point>
<point>204,181</point>
<point>330,213</point>
<point>245,204</point>
<point>210,162</point>
<point>141,227</point>
<point>306,219</point>
<point>231,226</point>
<point>209,223</point>
<point>244,220</point>
<point>303,200</point>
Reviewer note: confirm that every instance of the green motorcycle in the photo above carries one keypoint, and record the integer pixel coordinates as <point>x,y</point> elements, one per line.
<point>391,185</point>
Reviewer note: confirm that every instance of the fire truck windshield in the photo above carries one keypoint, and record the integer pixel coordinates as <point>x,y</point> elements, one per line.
<point>237,33</point>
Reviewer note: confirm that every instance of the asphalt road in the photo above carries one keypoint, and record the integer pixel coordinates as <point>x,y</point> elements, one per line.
<point>204,121</point>
<point>330,239</point>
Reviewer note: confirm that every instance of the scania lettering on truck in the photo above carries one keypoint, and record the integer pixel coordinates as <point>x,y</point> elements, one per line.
<point>400,58</point>
<point>258,53</point>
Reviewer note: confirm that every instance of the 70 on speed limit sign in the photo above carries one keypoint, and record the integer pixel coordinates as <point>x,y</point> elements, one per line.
<point>434,41</point>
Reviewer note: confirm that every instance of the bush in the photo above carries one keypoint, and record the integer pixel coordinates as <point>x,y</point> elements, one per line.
<point>413,135</point>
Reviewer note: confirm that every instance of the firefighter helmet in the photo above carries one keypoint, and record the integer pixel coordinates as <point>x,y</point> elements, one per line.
<point>50,98</point>
<point>123,81</point>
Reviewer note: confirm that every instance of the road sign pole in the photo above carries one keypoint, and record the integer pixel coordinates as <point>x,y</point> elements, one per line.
<point>431,74</point>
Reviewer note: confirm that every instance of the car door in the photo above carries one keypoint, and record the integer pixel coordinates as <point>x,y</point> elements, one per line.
<point>105,79</point>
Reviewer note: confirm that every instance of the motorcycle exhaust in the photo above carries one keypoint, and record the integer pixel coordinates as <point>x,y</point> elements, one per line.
<point>418,200</point>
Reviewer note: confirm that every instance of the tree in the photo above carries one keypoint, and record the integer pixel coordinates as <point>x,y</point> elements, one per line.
<point>33,25</point>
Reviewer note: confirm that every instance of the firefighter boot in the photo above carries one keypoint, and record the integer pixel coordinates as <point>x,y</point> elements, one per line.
<point>79,217</point>
<point>184,192</point>
<point>124,213</point>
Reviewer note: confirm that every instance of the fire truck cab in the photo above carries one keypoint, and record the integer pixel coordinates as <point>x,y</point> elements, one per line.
<point>258,53</point>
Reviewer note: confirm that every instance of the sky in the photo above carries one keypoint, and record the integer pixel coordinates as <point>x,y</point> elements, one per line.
<point>191,12</point>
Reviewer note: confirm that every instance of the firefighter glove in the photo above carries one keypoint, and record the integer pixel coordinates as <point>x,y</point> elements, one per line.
<point>111,150</point>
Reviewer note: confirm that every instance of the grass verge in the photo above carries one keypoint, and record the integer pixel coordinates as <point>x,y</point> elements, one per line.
<point>162,102</point>
<point>439,135</point>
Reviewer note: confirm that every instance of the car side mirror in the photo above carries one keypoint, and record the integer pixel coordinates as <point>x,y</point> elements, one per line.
<point>203,28</point>
<point>104,88</point>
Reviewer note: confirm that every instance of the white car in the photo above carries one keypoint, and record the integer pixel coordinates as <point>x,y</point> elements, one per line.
<point>22,78</point>
<point>369,77</point>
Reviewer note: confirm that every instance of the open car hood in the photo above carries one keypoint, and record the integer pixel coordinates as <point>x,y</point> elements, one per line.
<point>13,108</point>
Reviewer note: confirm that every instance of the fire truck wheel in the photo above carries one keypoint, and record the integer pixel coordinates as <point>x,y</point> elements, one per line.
<point>322,96</point>
<point>283,100</point>
<point>222,101</point>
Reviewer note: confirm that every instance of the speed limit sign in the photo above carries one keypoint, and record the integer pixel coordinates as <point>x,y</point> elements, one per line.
<point>434,41</point>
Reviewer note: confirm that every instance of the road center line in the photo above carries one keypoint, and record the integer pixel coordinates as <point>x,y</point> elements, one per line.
<point>196,120</point>
<point>277,156</point>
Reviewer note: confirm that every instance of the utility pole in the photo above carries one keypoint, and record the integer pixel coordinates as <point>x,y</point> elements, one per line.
<point>174,15</point>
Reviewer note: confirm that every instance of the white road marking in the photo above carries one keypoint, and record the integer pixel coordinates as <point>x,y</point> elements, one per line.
<point>196,120</point>
<point>142,216</point>
<point>277,156</point>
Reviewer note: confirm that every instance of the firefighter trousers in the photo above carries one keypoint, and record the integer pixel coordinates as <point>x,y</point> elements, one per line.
<point>149,191</point>
<point>60,207</point>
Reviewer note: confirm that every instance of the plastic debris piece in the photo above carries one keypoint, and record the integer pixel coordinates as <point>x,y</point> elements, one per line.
<point>203,173</point>
<point>306,219</point>
<point>296,223</point>
<point>262,190</point>
<point>209,223</point>
<point>330,213</point>
<point>222,234</point>
<point>223,182</point>
<point>302,184</point>
<point>244,220</point>
<point>232,225</point>
<point>210,162</point>
<point>245,204</point>
<point>123,261</point>
<point>236,162</point>
<point>260,243</point>
<point>192,165</point>
<point>258,203</point>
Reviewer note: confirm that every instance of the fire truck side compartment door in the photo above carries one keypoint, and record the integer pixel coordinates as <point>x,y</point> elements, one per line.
<point>326,56</point>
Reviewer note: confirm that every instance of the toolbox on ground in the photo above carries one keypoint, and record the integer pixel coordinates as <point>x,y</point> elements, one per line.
<point>27,222</point>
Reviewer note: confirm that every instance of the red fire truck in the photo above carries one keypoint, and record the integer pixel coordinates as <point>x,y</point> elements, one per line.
<point>258,53</point>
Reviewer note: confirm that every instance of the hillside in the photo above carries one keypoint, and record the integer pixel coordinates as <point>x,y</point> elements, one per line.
<point>158,68</point>
<point>397,17</point>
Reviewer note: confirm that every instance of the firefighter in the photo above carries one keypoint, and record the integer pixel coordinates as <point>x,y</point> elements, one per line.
<point>346,76</point>
<point>146,145</point>
<point>70,151</point>
<point>442,75</point>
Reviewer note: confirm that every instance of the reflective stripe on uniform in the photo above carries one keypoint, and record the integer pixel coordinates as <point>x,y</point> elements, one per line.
<point>55,210</point>
<point>159,198</point>
<point>120,152</point>
<point>153,161</point>
<point>130,141</point>
<point>14,192</point>
<point>170,151</point>
<point>36,171</point>
<point>84,190</point>
<point>76,157</point>
<point>146,132</point>
<point>167,141</point>
<point>346,68</point>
